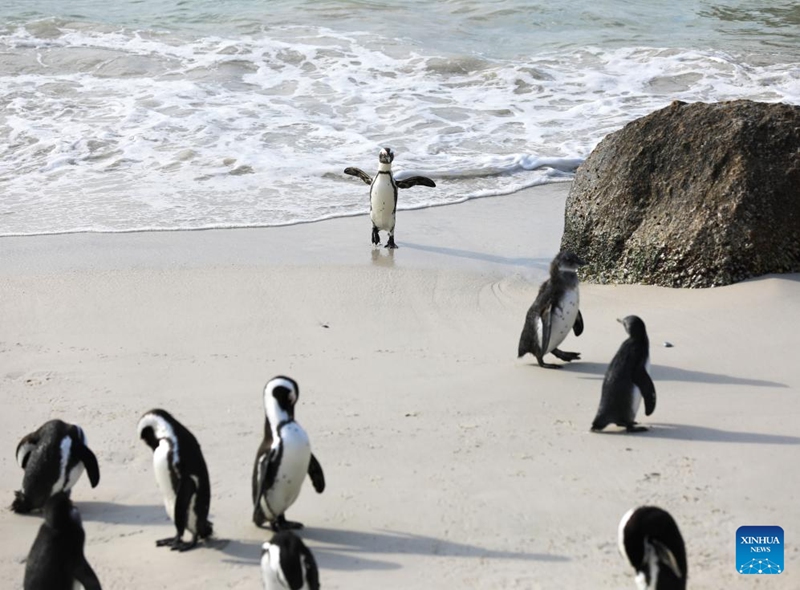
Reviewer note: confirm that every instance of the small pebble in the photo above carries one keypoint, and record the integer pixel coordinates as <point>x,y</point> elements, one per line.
<point>667,344</point>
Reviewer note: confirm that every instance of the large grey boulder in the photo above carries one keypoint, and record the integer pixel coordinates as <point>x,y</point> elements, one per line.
<point>693,195</point>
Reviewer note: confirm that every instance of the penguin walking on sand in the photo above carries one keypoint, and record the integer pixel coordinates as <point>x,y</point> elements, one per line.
<point>383,195</point>
<point>56,560</point>
<point>53,457</point>
<point>627,381</point>
<point>283,459</point>
<point>649,538</point>
<point>181,475</point>
<point>554,312</point>
<point>287,564</point>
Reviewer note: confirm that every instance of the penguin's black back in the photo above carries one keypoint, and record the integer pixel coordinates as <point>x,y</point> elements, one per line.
<point>43,467</point>
<point>615,401</point>
<point>650,524</point>
<point>56,557</point>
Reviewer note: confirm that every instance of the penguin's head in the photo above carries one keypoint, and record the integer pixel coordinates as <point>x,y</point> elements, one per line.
<point>155,425</point>
<point>634,326</point>
<point>281,393</point>
<point>567,261</point>
<point>386,156</point>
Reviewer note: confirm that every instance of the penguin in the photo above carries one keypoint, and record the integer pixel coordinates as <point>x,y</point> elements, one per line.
<point>283,458</point>
<point>383,195</point>
<point>53,457</point>
<point>650,540</point>
<point>554,313</point>
<point>627,381</point>
<point>287,564</point>
<point>181,475</point>
<point>56,560</point>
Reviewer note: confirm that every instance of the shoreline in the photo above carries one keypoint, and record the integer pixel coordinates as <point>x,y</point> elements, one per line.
<point>449,462</point>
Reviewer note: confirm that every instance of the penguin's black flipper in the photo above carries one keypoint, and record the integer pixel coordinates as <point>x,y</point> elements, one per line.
<point>266,478</point>
<point>414,181</point>
<point>86,576</point>
<point>577,327</point>
<point>667,557</point>
<point>642,380</point>
<point>316,475</point>
<point>359,173</point>
<point>312,573</point>
<point>183,503</point>
<point>86,456</point>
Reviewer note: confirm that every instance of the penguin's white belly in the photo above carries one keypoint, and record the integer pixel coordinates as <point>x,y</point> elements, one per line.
<point>291,471</point>
<point>382,210</point>
<point>562,319</point>
<point>163,479</point>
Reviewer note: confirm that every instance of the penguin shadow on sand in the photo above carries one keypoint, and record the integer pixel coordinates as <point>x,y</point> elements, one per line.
<point>383,257</point>
<point>707,434</point>
<point>111,513</point>
<point>338,549</point>
<point>538,263</point>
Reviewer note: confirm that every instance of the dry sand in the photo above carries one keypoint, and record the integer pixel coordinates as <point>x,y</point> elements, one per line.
<point>450,464</point>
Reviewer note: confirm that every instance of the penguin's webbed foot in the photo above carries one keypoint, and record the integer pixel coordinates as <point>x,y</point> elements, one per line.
<point>545,365</point>
<point>636,428</point>
<point>281,524</point>
<point>182,546</point>
<point>20,505</point>
<point>566,356</point>
<point>376,238</point>
<point>169,541</point>
<point>390,244</point>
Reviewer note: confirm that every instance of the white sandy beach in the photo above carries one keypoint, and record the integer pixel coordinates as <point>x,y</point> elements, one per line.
<point>449,463</point>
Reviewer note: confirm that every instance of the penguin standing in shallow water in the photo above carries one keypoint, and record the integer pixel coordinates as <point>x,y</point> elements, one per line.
<point>181,475</point>
<point>627,381</point>
<point>649,538</point>
<point>287,564</point>
<point>554,313</point>
<point>53,457</point>
<point>56,560</point>
<point>283,459</point>
<point>383,195</point>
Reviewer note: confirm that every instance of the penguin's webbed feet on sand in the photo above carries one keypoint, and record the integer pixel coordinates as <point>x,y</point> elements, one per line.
<point>390,244</point>
<point>636,428</point>
<point>566,356</point>
<point>281,524</point>
<point>176,543</point>
<point>376,238</point>
<point>545,365</point>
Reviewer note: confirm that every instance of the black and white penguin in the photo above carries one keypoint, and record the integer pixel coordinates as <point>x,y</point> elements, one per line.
<point>627,381</point>
<point>554,312</point>
<point>287,564</point>
<point>181,475</point>
<point>53,457</point>
<point>649,538</point>
<point>383,194</point>
<point>283,458</point>
<point>56,560</point>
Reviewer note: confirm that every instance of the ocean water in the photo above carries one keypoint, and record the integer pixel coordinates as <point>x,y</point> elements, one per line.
<point>190,114</point>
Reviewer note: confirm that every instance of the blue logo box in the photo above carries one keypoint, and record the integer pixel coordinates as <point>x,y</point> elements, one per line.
<point>759,550</point>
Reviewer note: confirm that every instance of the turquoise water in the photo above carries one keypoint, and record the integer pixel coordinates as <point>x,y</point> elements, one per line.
<point>121,116</point>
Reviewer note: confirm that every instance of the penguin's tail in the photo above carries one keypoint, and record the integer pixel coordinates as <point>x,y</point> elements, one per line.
<point>20,505</point>
<point>205,530</point>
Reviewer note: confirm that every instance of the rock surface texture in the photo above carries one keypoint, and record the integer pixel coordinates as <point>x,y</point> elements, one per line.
<point>693,195</point>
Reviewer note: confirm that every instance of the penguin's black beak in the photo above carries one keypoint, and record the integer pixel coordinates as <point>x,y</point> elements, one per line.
<point>620,320</point>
